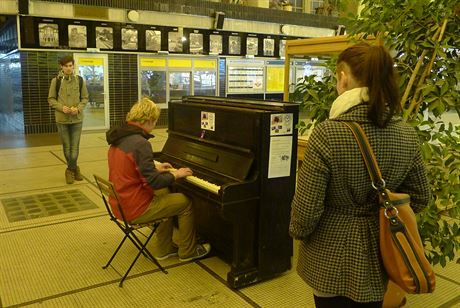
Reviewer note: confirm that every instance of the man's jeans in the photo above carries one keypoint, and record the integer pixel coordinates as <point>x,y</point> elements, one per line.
<point>70,138</point>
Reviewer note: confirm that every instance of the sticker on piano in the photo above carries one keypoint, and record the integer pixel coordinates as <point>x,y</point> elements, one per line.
<point>208,120</point>
<point>281,124</point>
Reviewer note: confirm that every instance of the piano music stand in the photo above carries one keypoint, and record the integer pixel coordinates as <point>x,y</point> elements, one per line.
<point>108,190</point>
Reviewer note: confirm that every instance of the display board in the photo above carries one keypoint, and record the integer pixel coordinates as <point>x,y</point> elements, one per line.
<point>244,76</point>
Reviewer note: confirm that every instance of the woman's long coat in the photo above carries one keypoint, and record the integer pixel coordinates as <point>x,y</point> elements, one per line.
<point>334,211</point>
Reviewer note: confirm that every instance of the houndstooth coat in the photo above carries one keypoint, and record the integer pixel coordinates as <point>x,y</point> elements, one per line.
<point>334,211</point>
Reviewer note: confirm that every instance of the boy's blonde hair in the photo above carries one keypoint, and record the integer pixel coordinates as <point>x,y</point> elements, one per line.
<point>142,111</point>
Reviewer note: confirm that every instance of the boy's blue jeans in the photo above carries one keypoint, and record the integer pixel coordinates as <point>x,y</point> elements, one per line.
<point>70,138</point>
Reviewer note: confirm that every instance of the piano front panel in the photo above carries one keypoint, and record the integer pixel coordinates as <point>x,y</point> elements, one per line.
<point>229,162</point>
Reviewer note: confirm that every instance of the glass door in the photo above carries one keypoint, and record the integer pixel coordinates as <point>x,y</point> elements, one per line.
<point>94,70</point>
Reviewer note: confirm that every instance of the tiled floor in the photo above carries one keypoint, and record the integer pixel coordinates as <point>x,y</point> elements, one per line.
<point>55,261</point>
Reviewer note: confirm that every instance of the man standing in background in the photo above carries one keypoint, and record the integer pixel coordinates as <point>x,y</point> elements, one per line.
<point>68,96</point>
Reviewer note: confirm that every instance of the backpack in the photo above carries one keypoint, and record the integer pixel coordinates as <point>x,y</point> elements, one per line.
<point>58,84</point>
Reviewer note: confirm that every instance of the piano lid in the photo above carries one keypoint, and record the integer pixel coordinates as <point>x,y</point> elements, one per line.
<point>257,105</point>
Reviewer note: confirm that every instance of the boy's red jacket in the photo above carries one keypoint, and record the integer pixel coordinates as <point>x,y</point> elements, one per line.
<point>132,171</point>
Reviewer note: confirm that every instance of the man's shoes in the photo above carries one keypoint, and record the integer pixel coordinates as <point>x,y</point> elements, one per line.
<point>69,176</point>
<point>201,250</point>
<point>77,174</point>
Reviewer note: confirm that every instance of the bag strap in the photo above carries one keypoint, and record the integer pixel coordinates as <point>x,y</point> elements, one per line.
<point>372,166</point>
<point>367,153</point>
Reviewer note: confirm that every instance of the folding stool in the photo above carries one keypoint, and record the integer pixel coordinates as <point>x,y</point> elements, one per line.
<point>108,191</point>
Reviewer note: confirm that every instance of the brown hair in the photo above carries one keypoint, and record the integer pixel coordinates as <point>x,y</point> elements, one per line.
<point>372,67</point>
<point>66,59</point>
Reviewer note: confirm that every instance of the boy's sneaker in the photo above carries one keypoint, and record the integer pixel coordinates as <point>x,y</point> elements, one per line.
<point>201,250</point>
<point>166,256</point>
<point>77,174</point>
<point>69,177</point>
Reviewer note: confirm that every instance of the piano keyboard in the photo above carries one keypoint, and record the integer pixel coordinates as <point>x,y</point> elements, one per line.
<point>211,187</point>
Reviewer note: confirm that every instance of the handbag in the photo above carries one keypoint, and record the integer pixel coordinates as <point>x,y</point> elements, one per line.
<point>401,247</point>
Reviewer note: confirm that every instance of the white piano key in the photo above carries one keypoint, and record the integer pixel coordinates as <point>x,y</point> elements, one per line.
<point>211,187</point>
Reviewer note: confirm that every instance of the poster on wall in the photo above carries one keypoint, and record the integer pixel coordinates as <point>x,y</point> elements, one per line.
<point>153,40</point>
<point>77,36</point>
<point>252,46</point>
<point>175,42</point>
<point>215,43</point>
<point>282,47</point>
<point>48,35</point>
<point>104,37</point>
<point>245,76</point>
<point>129,39</point>
<point>269,47</point>
<point>275,79</point>
<point>196,43</point>
<point>234,45</point>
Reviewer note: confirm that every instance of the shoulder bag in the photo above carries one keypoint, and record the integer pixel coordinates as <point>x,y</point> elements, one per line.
<point>401,248</point>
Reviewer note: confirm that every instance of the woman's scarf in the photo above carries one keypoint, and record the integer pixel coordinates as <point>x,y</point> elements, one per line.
<point>347,100</point>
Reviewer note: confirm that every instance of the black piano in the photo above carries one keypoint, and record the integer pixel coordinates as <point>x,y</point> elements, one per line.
<point>243,156</point>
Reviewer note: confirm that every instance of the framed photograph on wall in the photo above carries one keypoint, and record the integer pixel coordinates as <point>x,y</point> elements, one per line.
<point>77,36</point>
<point>234,45</point>
<point>129,38</point>
<point>282,47</point>
<point>269,47</point>
<point>175,42</point>
<point>48,35</point>
<point>196,43</point>
<point>153,40</point>
<point>104,37</point>
<point>215,43</point>
<point>252,45</point>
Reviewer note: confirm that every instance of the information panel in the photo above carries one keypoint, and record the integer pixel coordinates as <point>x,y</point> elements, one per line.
<point>275,79</point>
<point>245,76</point>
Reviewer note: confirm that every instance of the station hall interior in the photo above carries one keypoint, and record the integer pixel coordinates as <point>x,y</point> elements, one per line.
<point>55,237</point>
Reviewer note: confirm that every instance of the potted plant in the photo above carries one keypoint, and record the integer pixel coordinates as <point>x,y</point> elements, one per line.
<point>423,35</point>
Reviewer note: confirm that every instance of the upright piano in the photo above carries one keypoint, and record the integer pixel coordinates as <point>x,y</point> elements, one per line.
<point>243,156</point>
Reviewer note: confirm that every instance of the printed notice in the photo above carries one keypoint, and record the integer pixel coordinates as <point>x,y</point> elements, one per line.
<point>208,121</point>
<point>279,164</point>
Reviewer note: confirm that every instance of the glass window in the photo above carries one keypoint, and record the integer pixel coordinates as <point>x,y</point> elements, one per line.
<point>297,5</point>
<point>205,83</point>
<point>153,85</point>
<point>315,5</point>
<point>179,84</point>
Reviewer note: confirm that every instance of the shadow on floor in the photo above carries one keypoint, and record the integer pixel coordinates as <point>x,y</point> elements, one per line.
<point>19,140</point>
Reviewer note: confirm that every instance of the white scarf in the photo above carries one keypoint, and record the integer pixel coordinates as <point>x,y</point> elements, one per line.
<point>347,100</point>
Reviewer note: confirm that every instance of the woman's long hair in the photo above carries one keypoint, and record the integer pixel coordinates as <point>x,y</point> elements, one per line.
<point>372,67</point>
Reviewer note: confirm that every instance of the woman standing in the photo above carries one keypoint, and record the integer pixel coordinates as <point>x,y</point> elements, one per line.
<point>335,208</point>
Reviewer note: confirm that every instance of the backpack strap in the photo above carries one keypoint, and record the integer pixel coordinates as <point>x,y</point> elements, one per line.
<point>80,83</point>
<point>58,84</point>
